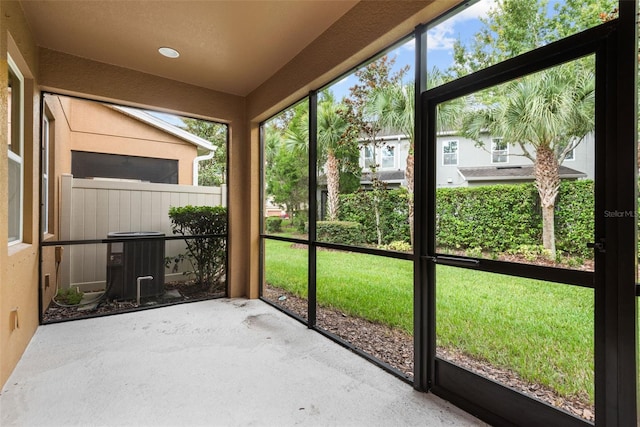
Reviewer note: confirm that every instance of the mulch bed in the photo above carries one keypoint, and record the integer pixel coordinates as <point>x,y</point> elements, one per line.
<point>188,291</point>
<point>395,347</point>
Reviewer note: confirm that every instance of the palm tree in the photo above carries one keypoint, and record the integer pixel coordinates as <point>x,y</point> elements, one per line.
<point>331,139</point>
<point>331,135</point>
<point>296,134</point>
<point>547,115</point>
<point>394,107</point>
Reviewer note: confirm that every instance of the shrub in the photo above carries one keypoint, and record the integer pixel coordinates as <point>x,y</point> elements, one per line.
<point>68,296</point>
<point>344,232</point>
<point>273,224</point>
<point>398,245</point>
<point>207,255</point>
<point>530,252</point>
<point>394,213</point>
<point>299,220</point>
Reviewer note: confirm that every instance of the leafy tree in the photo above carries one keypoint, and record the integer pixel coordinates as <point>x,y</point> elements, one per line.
<point>394,105</point>
<point>364,122</point>
<point>510,28</point>
<point>211,172</point>
<point>286,172</point>
<point>513,27</point>
<point>573,16</point>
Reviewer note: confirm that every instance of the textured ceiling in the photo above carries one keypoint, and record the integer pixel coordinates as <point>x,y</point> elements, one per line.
<point>229,46</point>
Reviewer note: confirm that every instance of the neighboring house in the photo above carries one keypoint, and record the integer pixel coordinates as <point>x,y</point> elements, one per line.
<point>461,163</point>
<point>96,140</point>
<point>112,168</point>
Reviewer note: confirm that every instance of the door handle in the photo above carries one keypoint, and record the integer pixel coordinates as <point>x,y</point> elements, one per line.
<point>599,246</point>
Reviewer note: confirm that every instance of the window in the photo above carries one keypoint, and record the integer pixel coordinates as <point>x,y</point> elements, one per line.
<point>15,151</point>
<point>571,155</point>
<point>369,157</point>
<point>103,165</point>
<point>450,153</point>
<point>388,156</point>
<point>499,151</point>
<point>46,127</point>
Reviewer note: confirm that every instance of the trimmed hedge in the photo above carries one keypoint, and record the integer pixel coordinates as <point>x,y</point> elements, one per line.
<point>344,232</point>
<point>574,217</point>
<point>494,218</point>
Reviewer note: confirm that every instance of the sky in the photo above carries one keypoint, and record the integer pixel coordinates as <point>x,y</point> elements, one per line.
<point>440,40</point>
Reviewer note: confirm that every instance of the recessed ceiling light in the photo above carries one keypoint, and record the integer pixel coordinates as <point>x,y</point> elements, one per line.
<point>169,52</point>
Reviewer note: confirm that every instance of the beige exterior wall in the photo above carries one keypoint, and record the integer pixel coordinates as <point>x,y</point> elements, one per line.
<point>364,30</point>
<point>19,262</point>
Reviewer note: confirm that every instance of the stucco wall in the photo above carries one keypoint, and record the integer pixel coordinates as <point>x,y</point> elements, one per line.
<point>18,263</point>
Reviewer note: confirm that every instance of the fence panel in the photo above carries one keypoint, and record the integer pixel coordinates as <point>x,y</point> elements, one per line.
<point>93,208</point>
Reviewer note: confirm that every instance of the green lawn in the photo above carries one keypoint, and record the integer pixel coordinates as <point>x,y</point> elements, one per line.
<point>541,330</point>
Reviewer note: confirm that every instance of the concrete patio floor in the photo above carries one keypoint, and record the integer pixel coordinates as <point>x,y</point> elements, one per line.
<point>220,362</point>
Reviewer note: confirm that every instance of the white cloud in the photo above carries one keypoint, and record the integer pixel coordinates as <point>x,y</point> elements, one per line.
<point>409,45</point>
<point>475,11</point>
<point>343,81</point>
<point>443,35</point>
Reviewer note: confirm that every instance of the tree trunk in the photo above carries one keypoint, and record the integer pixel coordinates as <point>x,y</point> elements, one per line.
<point>408,177</point>
<point>548,184</point>
<point>333,189</point>
<point>376,211</point>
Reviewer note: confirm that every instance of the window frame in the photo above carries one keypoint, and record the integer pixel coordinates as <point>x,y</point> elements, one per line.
<point>446,144</point>
<point>494,151</point>
<point>17,117</point>
<point>573,155</point>
<point>369,160</point>
<point>384,150</point>
<point>46,146</point>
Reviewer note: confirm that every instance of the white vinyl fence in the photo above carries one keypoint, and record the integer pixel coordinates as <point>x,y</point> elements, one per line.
<point>91,209</point>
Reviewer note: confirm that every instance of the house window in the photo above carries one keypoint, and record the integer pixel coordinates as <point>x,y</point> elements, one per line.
<point>571,155</point>
<point>15,151</point>
<point>388,156</point>
<point>499,151</point>
<point>116,166</point>
<point>450,153</point>
<point>46,132</point>
<point>369,156</point>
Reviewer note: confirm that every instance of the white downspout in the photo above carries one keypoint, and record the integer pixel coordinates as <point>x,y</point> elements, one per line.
<point>196,165</point>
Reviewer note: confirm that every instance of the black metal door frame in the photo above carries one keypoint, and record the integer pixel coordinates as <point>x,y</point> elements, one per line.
<point>615,315</point>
